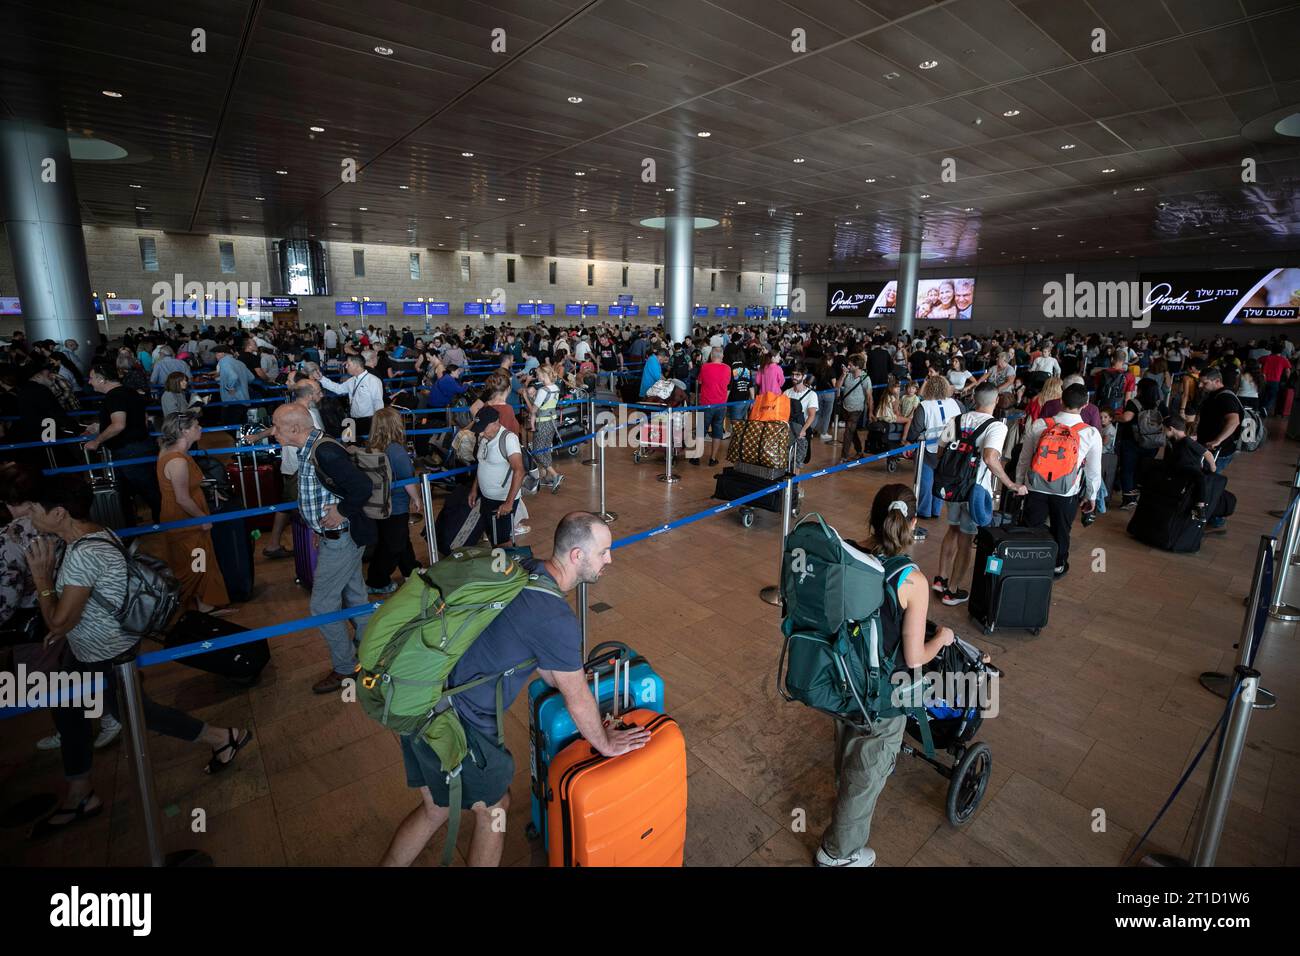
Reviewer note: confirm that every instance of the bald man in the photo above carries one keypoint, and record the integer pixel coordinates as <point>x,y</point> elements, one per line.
<point>332,492</point>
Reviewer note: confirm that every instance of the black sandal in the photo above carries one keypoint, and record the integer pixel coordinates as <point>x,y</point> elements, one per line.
<point>216,764</point>
<point>45,828</point>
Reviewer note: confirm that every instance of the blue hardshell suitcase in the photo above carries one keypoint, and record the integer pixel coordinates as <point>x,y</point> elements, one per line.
<point>551,729</point>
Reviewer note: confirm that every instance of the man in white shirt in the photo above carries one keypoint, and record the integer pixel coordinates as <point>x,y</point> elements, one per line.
<point>800,393</point>
<point>331,341</point>
<point>956,553</point>
<point>582,352</point>
<point>500,475</point>
<point>1054,497</point>
<point>1046,363</point>
<point>364,390</point>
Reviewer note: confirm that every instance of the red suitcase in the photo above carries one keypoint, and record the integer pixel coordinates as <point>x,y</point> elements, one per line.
<point>628,810</point>
<point>256,485</point>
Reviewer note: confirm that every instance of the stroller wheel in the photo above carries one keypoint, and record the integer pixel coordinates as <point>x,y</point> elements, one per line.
<point>747,518</point>
<point>891,465</point>
<point>970,778</point>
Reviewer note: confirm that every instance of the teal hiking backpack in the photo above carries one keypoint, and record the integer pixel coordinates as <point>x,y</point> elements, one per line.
<point>833,658</point>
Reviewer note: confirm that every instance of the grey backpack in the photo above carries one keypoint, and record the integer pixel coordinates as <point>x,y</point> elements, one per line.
<point>152,594</point>
<point>1149,429</point>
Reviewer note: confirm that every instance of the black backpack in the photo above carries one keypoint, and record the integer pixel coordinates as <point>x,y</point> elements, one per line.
<point>1110,395</point>
<point>959,464</point>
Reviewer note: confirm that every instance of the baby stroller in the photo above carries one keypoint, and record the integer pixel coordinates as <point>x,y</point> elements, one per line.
<point>954,710</point>
<point>884,437</point>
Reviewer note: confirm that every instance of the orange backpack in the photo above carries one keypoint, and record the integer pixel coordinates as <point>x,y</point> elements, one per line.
<point>1056,459</point>
<point>770,407</point>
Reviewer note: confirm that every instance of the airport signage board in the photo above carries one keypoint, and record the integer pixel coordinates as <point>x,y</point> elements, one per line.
<point>347,308</point>
<point>1226,297</point>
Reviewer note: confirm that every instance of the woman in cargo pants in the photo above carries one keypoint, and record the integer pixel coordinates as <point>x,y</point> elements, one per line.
<point>864,761</point>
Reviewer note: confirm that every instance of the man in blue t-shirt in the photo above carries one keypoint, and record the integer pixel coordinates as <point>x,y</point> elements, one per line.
<point>533,625</point>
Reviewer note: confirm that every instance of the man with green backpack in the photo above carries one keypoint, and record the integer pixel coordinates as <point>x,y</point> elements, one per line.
<point>446,655</point>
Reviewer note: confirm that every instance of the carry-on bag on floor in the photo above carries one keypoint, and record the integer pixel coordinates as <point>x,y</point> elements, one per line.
<point>106,497</point>
<point>628,810</point>
<point>458,525</point>
<point>233,543</point>
<point>256,485</point>
<point>1011,583</point>
<point>305,553</point>
<point>551,728</point>
<point>1163,517</point>
<point>732,484</point>
<point>242,663</point>
<point>765,444</point>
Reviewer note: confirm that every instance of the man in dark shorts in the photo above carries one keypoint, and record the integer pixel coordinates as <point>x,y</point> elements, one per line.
<point>535,625</point>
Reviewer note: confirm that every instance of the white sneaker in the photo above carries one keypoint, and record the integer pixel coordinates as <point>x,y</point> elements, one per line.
<point>109,729</point>
<point>827,436</point>
<point>52,742</point>
<point>864,857</point>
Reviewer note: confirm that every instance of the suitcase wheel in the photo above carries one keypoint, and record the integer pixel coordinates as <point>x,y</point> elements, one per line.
<point>572,450</point>
<point>891,465</point>
<point>636,457</point>
<point>747,517</point>
<point>1035,631</point>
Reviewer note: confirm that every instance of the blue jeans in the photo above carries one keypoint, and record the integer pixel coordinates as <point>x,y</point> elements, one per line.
<point>928,506</point>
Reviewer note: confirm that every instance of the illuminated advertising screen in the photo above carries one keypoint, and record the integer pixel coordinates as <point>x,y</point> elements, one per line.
<point>130,307</point>
<point>860,300</point>
<point>9,305</point>
<point>945,299</point>
<point>1229,297</point>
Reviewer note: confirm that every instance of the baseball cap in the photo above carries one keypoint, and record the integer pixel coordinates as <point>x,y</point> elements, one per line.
<point>485,417</point>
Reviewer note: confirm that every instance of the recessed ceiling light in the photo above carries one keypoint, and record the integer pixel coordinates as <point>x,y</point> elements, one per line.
<point>704,134</point>
<point>579,172</point>
<point>282,172</point>
<point>523,224</point>
<point>135,185</point>
<point>260,198</point>
<point>868,180</point>
<point>334,224</point>
<point>575,100</point>
<point>892,75</point>
<point>740,202</point>
<point>467,154</point>
<point>670,189</point>
<point>364,208</point>
<point>1139,189</point>
<point>317,129</point>
<point>384,50</point>
<point>114,94</point>
<point>1109,169</point>
<point>501,199</point>
<point>586,230</point>
<point>1068,146</point>
<point>403,187</point>
<point>798,214</point>
<point>1033,228</point>
<point>797,159</point>
<point>583,209</point>
<point>1060,235</point>
<point>141,208</point>
<point>928,64</point>
<point>970,209</point>
<point>925,195</point>
<point>243,217</point>
<point>446,217</point>
<point>1011,112</point>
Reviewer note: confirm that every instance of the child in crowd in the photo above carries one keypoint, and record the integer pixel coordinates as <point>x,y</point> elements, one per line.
<point>907,404</point>
<point>1109,464</point>
<point>1188,457</point>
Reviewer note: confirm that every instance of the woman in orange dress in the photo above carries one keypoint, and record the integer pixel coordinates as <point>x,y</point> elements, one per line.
<point>180,482</point>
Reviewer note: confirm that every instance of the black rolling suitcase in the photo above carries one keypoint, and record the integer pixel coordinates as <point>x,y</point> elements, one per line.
<point>1163,517</point>
<point>458,525</point>
<point>233,543</point>
<point>1012,581</point>
<point>732,484</point>
<point>242,664</point>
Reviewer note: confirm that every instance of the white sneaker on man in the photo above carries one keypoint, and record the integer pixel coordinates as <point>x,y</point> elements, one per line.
<point>827,436</point>
<point>52,742</point>
<point>109,729</point>
<point>864,857</point>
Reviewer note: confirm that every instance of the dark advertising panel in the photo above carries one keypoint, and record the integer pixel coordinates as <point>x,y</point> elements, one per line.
<point>1230,297</point>
<point>861,300</point>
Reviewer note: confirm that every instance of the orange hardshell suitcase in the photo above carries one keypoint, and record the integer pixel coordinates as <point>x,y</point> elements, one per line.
<point>770,407</point>
<point>628,810</point>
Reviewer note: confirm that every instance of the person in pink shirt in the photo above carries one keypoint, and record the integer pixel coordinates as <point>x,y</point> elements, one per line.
<point>771,378</point>
<point>715,377</point>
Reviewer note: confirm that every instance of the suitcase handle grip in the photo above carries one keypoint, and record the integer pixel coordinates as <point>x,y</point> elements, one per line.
<point>600,651</point>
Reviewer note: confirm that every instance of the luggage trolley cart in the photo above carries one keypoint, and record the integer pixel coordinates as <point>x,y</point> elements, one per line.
<point>657,431</point>
<point>954,719</point>
<point>742,479</point>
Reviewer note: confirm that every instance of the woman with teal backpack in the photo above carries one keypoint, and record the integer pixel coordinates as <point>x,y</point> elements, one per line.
<point>864,760</point>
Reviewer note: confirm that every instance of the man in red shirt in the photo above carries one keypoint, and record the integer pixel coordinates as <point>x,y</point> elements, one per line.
<point>1274,366</point>
<point>715,377</point>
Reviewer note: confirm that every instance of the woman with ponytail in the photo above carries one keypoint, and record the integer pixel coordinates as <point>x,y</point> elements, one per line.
<point>865,760</point>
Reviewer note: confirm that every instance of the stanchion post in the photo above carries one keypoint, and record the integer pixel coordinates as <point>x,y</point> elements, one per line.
<point>1221,684</point>
<point>916,481</point>
<point>426,501</point>
<point>606,515</point>
<point>1223,772</point>
<point>772,593</point>
<point>668,475</point>
<point>1278,609</point>
<point>128,673</point>
<point>582,615</point>
<point>591,427</point>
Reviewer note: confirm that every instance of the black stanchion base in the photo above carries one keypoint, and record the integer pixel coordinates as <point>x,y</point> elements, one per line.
<point>189,858</point>
<point>1220,685</point>
<point>27,810</point>
<point>1164,860</point>
<point>670,478</point>
<point>590,461</point>
<point>770,595</point>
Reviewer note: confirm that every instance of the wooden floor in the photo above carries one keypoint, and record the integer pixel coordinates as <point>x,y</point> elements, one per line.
<point>1102,711</point>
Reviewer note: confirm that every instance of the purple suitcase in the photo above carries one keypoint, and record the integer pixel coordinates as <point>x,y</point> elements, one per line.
<point>304,553</point>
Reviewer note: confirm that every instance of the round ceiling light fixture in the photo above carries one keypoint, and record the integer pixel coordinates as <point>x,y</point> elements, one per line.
<point>579,172</point>
<point>467,154</point>
<point>317,129</point>
<point>928,64</point>
<point>282,172</point>
<point>798,159</point>
<point>704,134</point>
<point>112,94</point>
<point>1109,169</point>
<point>575,100</point>
<point>384,50</point>
<point>1011,112</point>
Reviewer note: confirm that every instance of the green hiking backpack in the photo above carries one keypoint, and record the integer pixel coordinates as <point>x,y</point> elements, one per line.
<point>833,659</point>
<point>414,641</point>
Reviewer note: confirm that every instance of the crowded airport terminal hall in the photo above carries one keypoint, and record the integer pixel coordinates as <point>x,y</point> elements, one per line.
<point>796,434</point>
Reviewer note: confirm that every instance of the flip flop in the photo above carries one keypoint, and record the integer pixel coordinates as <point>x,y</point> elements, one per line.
<point>45,828</point>
<point>216,765</point>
